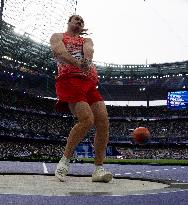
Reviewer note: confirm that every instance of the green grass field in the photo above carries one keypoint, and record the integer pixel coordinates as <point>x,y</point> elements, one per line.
<point>140,161</point>
<point>106,161</point>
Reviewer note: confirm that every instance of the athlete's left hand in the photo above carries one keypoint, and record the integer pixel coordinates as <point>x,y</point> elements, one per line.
<point>86,65</point>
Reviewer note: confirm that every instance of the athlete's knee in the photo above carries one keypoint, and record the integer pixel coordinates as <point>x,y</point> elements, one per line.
<point>87,121</point>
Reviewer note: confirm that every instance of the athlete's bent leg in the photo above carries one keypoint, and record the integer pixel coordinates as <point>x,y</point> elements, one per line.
<point>85,117</point>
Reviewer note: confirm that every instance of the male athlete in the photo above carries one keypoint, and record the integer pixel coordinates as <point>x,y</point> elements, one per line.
<point>76,87</point>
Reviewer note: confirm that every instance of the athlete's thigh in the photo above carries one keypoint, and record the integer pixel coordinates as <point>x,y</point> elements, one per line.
<point>100,112</point>
<point>81,110</point>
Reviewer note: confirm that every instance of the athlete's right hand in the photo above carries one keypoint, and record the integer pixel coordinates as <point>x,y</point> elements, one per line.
<point>85,66</point>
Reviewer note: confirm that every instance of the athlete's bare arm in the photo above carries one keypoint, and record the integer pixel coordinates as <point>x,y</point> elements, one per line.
<point>88,55</point>
<point>60,52</point>
<point>88,49</point>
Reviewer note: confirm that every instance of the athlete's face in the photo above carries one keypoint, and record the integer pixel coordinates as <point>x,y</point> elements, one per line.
<point>77,22</point>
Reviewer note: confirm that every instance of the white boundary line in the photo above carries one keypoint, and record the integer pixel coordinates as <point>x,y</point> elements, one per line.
<point>45,168</point>
<point>152,193</point>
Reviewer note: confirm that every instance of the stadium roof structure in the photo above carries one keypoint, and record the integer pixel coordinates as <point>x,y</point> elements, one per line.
<point>23,47</point>
<point>26,27</point>
<point>24,50</point>
<point>143,69</point>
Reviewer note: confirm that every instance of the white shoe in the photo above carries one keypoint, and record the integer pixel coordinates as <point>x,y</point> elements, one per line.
<point>62,169</point>
<point>101,175</point>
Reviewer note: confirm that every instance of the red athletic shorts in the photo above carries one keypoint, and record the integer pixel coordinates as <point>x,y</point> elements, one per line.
<point>75,89</point>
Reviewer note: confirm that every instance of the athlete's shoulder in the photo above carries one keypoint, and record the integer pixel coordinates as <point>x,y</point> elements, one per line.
<point>88,40</point>
<point>56,36</point>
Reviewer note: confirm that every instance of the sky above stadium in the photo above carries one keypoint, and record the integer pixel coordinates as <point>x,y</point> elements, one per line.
<point>137,31</point>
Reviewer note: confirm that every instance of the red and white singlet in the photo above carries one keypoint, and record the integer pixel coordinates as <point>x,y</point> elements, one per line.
<point>74,45</point>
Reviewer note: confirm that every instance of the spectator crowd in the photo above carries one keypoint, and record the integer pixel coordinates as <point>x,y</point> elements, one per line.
<point>26,117</point>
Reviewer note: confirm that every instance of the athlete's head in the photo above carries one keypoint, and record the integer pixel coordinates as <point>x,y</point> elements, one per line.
<point>76,23</point>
